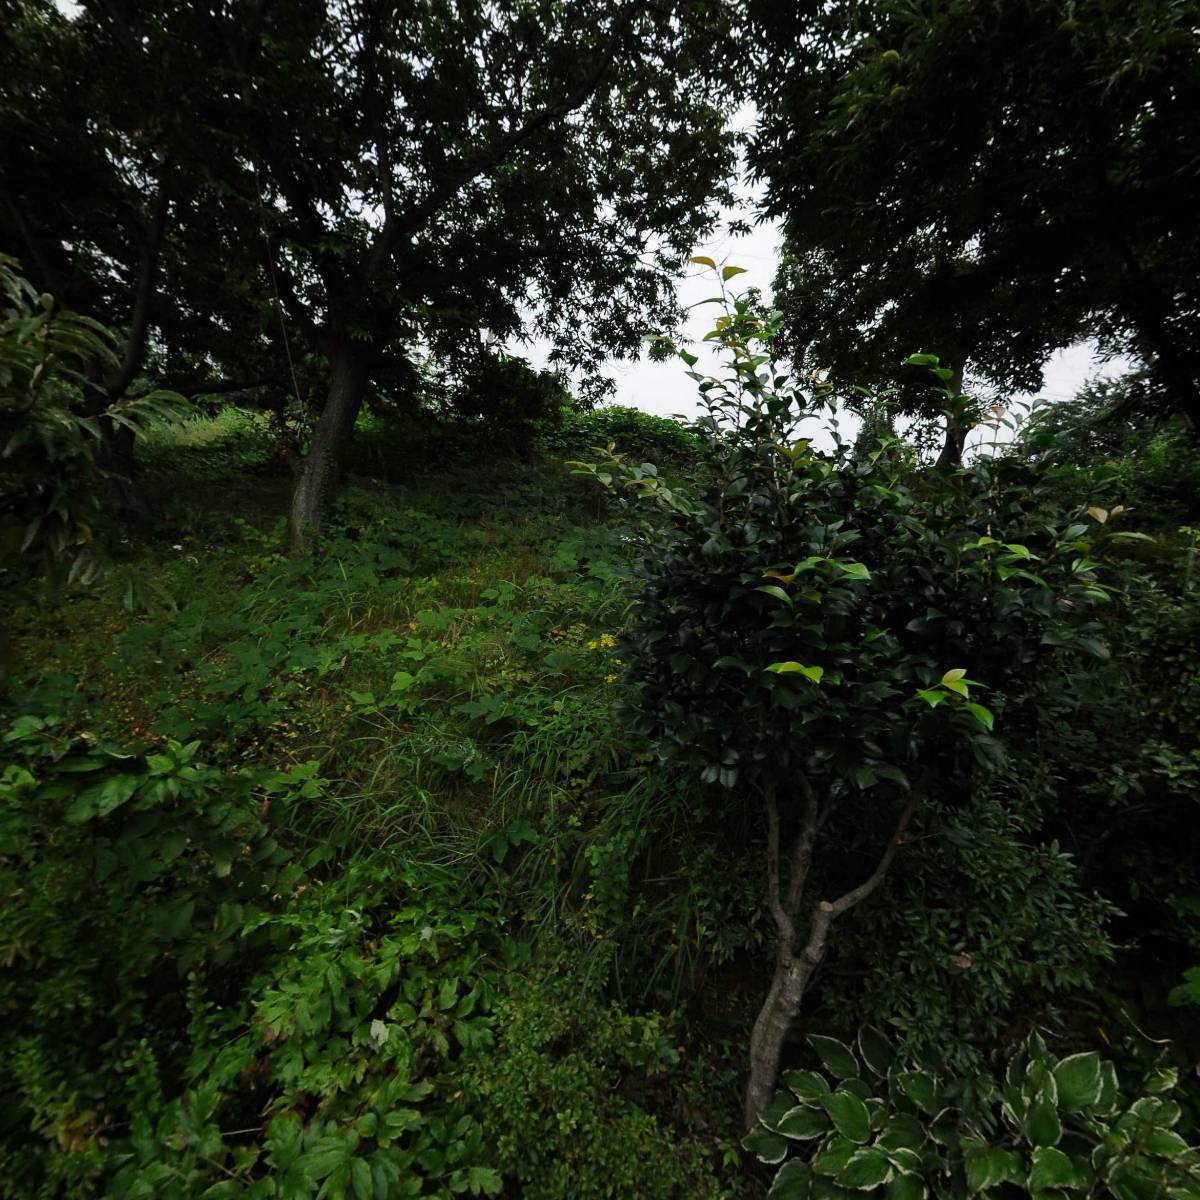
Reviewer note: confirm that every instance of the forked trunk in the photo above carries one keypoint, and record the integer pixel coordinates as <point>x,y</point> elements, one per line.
<point>794,970</point>
<point>330,440</point>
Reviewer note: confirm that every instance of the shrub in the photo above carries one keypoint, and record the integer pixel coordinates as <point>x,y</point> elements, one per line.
<point>809,628</point>
<point>564,1100</point>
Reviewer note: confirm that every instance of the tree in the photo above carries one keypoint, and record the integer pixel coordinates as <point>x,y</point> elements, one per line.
<point>805,627</point>
<point>987,182</point>
<point>110,175</point>
<point>423,175</point>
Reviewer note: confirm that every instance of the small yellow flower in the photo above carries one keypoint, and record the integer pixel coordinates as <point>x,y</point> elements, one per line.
<point>610,679</point>
<point>607,641</point>
<point>592,645</point>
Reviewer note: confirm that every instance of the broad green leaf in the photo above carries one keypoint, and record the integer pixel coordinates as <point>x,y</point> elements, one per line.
<point>728,273</point>
<point>875,1050</point>
<point>702,260</point>
<point>987,1165</point>
<point>781,1104</point>
<point>1041,1125</point>
<point>906,1187</point>
<point>1162,1079</point>
<point>771,589</point>
<point>855,570</point>
<point>1078,1080</point>
<point>1165,1143</point>
<point>837,1056</point>
<point>1109,1091</point>
<point>803,1123</point>
<point>921,1089</point>
<point>792,1182</point>
<point>1052,1169</point>
<point>902,1132</point>
<point>835,1154</point>
<point>981,714</point>
<point>849,1114</point>
<point>866,1169</point>
<point>808,1085</point>
<point>766,1146</point>
<point>955,675</point>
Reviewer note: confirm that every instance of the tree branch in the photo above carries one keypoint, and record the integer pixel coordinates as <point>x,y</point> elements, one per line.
<point>802,849</point>
<point>827,910</point>
<point>135,342</point>
<point>409,222</point>
<point>783,920</point>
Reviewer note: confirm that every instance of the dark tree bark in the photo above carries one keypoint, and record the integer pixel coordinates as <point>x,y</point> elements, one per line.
<point>331,437</point>
<point>116,455</point>
<point>956,429</point>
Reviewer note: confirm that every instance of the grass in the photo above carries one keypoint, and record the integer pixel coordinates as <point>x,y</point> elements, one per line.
<point>448,667</point>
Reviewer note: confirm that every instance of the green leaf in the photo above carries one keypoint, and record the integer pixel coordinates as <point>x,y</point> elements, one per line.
<point>101,799</point>
<point>855,570</point>
<point>849,1114</point>
<point>987,1165</point>
<point>794,668</point>
<point>902,1132</point>
<point>1041,1124</point>
<point>1078,1080</point>
<point>1052,1169</point>
<point>792,1182</point>
<point>837,1056</point>
<point>906,1187</point>
<point>932,698</point>
<point>981,714</point>
<point>803,1123</point>
<point>835,1154</point>
<point>921,1089</point>
<point>1162,1079</point>
<point>360,1179</point>
<point>808,1085</point>
<point>766,1146</point>
<point>954,675</point>
<point>728,273</point>
<point>771,589</point>
<point>702,260</point>
<point>866,1169</point>
<point>875,1050</point>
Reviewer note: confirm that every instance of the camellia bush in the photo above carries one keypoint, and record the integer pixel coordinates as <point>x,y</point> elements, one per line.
<point>838,638</point>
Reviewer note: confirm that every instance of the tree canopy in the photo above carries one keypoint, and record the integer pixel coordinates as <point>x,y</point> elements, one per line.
<point>988,182</point>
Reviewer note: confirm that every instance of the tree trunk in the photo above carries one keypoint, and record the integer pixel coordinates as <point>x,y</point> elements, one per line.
<point>956,427</point>
<point>330,440</point>
<point>779,1010</point>
<point>793,972</point>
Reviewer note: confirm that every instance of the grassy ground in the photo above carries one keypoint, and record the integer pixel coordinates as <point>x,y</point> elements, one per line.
<point>447,671</point>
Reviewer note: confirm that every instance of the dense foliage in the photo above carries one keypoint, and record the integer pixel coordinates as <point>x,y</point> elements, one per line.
<point>1064,1126</point>
<point>526,833</point>
<point>985,181</point>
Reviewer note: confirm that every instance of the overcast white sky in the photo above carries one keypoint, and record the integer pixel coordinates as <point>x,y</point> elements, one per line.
<point>664,388</point>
